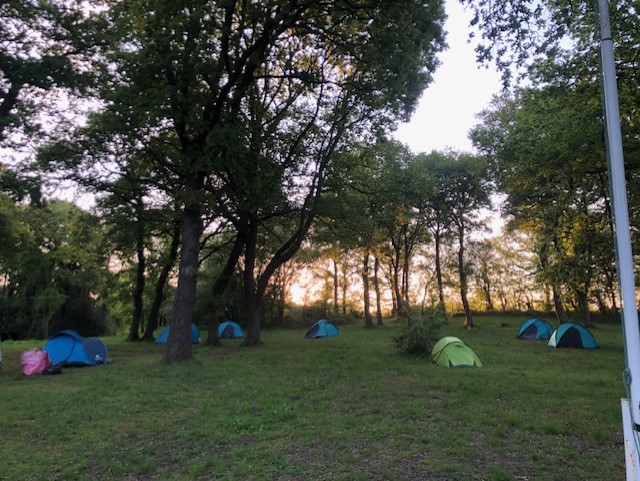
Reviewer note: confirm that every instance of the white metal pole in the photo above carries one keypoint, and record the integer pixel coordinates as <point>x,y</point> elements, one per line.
<point>626,278</point>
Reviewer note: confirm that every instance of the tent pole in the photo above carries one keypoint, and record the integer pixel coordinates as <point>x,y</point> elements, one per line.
<point>626,277</point>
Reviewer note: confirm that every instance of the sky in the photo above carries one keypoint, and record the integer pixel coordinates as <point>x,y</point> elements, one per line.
<point>460,90</point>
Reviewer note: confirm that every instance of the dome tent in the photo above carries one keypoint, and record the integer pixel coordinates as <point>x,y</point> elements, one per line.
<point>164,335</point>
<point>68,348</point>
<point>322,328</point>
<point>452,352</point>
<point>574,335</point>
<point>230,330</point>
<point>535,330</point>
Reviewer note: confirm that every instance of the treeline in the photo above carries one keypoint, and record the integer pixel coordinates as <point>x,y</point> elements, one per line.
<point>220,138</point>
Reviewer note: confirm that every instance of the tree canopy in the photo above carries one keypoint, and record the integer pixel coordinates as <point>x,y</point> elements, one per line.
<point>227,136</point>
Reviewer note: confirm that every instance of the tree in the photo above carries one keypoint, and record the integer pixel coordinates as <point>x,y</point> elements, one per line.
<point>167,264</point>
<point>394,230</point>
<point>371,213</point>
<point>347,220</point>
<point>194,70</point>
<point>429,196</point>
<point>556,43</point>
<point>483,257</point>
<point>547,153</point>
<point>468,192</point>
<point>52,265</point>
<point>376,287</point>
<point>45,46</point>
<point>107,161</point>
<point>127,217</point>
<point>524,38</point>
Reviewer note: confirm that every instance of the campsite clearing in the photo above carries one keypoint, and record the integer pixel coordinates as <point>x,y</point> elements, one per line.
<point>348,408</point>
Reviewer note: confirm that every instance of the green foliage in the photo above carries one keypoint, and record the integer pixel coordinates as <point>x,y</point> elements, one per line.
<point>45,47</point>
<point>246,106</point>
<point>231,305</point>
<point>420,338</point>
<point>546,143</point>
<point>53,269</point>
<point>548,157</point>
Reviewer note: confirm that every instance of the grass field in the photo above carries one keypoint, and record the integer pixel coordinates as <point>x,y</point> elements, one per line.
<point>345,408</point>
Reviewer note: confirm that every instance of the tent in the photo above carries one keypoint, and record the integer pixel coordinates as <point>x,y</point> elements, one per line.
<point>322,328</point>
<point>571,334</point>
<point>164,335</point>
<point>535,330</point>
<point>68,348</point>
<point>230,330</point>
<point>452,352</point>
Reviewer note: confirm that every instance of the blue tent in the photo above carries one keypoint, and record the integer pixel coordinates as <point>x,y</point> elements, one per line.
<point>535,330</point>
<point>322,328</point>
<point>230,330</point>
<point>571,334</point>
<point>164,335</point>
<point>68,348</point>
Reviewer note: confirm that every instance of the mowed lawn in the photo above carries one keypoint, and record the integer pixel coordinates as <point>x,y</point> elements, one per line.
<point>344,408</point>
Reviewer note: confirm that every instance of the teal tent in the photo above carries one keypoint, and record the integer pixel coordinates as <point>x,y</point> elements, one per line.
<point>68,348</point>
<point>574,335</point>
<point>322,328</point>
<point>452,352</point>
<point>164,335</point>
<point>230,330</point>
<point>535,330</point>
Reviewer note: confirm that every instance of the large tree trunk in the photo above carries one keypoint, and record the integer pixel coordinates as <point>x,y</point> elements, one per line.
<point>547,298</point>
<point>154,313</point>
<point>345,286</point>
<point>281,298</point>
<point>251,298</point>
<point>376,286</point>
<point>406,268</point>
<point>254,317</point>
<point>213,324</point>
<point>561,314</point>
<point>438,242</point>
<point>138,292</point>
<point>394,302</point>
<point>179,342</point>
<point>486,287</point>
<point>396,284</point>
<point>219,286</point>
<point>368,320</point>
<point>335,287</point>
<point>463,280</point>
<point>583,303</point>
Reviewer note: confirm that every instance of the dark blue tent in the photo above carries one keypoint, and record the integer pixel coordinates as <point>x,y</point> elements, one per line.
<point>322,328</point>
<point>230,330</point>
<point>535,330</point>
<point>164,335</point>
<point>68,348</point>
<point>571,334</point>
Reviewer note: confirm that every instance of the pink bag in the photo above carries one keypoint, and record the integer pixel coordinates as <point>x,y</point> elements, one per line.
<point>34,362</point>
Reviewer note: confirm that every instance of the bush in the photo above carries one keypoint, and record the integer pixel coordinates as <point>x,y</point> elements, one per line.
<point>420,338</point>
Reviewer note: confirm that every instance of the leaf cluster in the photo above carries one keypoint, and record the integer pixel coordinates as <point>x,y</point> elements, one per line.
<point>45,46</point>
<point>419,339</point>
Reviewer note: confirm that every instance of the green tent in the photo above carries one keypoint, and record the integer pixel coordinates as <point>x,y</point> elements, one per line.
<point>452,352</point>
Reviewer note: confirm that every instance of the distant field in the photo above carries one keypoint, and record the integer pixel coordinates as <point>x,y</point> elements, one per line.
<point>344,408</point>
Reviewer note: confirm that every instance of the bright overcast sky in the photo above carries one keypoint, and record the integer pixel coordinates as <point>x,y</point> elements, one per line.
<point>460,90</point>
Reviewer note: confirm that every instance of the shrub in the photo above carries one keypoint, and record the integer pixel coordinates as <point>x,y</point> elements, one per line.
<point>420,338</point>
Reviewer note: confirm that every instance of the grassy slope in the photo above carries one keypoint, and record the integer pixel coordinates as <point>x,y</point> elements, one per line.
<point>346,408</point>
